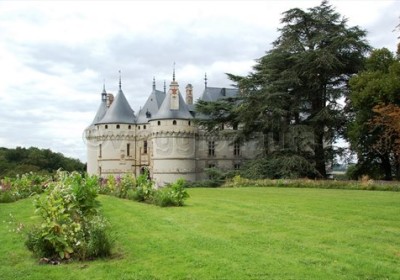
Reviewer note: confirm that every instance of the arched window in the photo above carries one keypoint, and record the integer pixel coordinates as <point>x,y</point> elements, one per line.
<point>174,122</point>
<point>129,126</point>
<point>117,126</point>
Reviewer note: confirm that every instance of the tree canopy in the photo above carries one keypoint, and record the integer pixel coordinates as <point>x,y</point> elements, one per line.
<point>375,101</point>
<point>24,160</point>
<point>296,86</point>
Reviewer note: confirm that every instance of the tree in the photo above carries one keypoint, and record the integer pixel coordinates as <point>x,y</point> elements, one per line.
<point>296,86</point>
<point>374,97</point>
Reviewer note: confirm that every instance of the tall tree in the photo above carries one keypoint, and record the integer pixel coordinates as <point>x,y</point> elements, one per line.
<point>299,82</point>
<point>375,95</point>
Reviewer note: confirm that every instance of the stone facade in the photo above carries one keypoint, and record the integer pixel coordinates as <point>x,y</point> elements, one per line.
<point>162,138</point>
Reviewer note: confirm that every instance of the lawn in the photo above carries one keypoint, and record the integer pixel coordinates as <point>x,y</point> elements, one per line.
<point>232,233</point>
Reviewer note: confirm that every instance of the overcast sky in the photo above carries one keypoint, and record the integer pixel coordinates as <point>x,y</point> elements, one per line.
<point>55,55</point>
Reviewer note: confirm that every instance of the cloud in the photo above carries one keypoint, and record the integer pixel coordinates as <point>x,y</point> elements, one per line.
<point>56,55</point>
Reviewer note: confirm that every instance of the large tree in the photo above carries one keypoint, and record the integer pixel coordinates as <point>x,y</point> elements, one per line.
<point>299,82</point>
<point>373,132</point>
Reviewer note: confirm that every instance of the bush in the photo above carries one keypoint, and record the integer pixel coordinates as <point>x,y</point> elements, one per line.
<point>172,195</point>
<point>72,224</point>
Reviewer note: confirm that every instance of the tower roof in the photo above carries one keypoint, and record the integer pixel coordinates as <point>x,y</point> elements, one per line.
<point>120,111</point>
<point>100,112</point>
<point>151,106</point>
<point>165,111</point>
<point>102,108</point>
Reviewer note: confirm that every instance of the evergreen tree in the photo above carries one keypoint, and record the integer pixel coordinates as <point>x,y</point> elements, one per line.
<point>299,82</point>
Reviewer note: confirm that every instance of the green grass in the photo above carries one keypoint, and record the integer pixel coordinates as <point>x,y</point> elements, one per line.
<point>233,233</point>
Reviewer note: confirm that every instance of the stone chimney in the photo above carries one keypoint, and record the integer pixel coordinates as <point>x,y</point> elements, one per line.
<point>189,94</point>
<point>110,99</point>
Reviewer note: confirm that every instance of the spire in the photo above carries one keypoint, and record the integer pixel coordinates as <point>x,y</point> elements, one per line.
<point>104,93</point>
<point>173,74</point>
<point>154,83</point>
<point>205,80</point>
<point>120,87</point>
<point>165,87</point>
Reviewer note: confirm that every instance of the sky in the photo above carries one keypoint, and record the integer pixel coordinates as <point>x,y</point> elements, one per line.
<point>56,55</point>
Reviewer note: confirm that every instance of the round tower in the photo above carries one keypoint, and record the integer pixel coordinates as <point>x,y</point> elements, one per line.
<point>111,138</point>
<point>173,139</point>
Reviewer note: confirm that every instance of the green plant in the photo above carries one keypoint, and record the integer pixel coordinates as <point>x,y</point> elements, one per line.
<point>171,195</point>
<point>72,224</point>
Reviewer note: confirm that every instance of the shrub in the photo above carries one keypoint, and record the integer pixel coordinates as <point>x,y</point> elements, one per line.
<point>171,195</point>
<point>72,224</point>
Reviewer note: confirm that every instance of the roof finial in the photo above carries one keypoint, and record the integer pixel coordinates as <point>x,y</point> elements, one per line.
<point>154,83</point>
<point>120,87</point>
<point>173,74</point>
<point>165,87</point>
<point>104,86</point>
<point>205,80</point>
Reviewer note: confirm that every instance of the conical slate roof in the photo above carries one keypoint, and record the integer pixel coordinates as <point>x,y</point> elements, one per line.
<point>151,106</point>
<point>100,112</point>
<point>165,111</point>
<point>120,111</point>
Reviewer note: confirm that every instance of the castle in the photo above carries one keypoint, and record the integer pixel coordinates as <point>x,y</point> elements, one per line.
<point>162,138</point>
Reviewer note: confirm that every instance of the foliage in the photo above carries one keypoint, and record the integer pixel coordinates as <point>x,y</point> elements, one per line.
<point>22,186</point>
<point>142,189</point>
<point>171,195</point>
<point>365,184</point>
<point>279,165</point>
<point>72,224</point>
<point>374,98</point>
<point>298,83</point>
<point>40,161</point>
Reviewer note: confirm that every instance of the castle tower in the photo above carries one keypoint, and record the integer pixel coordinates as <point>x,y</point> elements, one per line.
<point>112,138</point>
<point>173,139</point>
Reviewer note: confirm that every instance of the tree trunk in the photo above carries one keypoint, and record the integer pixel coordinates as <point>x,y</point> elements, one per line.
<point>319,153</point>
<point>387,168</point>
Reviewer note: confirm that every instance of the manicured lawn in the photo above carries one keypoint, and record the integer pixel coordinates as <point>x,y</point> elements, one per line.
<point>233,233</point>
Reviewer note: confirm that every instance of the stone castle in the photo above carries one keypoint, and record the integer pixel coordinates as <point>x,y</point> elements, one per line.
<point>162,138</point>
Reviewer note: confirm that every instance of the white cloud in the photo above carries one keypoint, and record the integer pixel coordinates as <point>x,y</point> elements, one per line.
<point>55,54</point>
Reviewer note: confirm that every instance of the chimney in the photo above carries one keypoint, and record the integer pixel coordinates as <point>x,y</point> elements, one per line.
<point>189,94</point>
<point>110,99</point>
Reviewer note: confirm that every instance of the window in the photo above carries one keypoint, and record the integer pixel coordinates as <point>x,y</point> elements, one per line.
<point>236,166</point>
<point>189,123</point>
<point>236,149</point>
<point>235,126</point>
<point>117,126</point>
<point>106,126</point>
<point>211,165</point>
<point>128,150</point>
<point>145,147</point>
<point>222,126</point>
<point>211,148</point>
<point>129,126</point>
<point>174,122</point>
<point>139,127</point>
<point>100,152</point>
<point>144,127</point>
<point>159,123</point>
